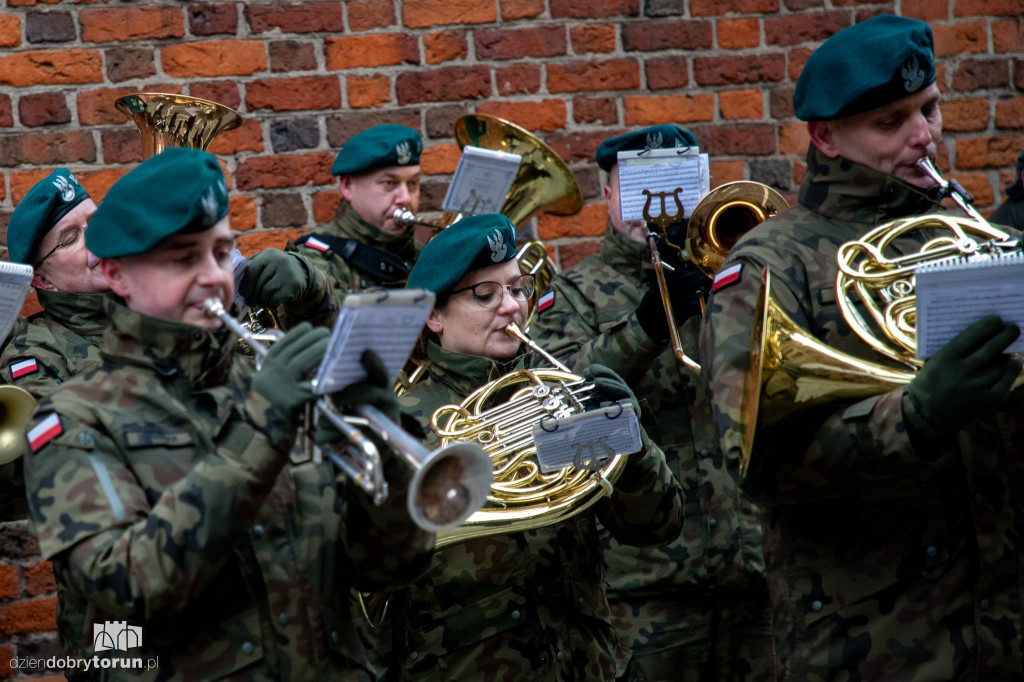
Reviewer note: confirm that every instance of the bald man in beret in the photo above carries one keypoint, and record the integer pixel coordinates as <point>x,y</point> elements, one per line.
<point>892,522</point>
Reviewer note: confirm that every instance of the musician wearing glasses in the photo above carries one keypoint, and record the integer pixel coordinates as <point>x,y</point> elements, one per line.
<point>378,172</point>
<point>163,484</point>
<point>892,522</point>
<point>696,608</point>
<point>520,604</point>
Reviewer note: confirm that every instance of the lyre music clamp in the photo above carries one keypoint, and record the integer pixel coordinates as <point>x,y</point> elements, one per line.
<point>664,219</point>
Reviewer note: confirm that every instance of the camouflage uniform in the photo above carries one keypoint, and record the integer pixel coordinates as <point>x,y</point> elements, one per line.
<point>525,605</point>
<point>885,561</point>
<point>168,500</point>
<point>698,607</point>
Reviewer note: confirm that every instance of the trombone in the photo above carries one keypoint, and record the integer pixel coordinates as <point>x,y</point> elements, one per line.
<point>448,484</point>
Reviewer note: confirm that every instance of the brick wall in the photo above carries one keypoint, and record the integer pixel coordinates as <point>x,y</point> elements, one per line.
<point>307,75</point>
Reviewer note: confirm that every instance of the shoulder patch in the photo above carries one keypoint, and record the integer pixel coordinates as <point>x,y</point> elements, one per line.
<point>23,368</point>
<point>546,301</point>
<point>315,243</point>
<point>45,431</point>
<point>729,275</point>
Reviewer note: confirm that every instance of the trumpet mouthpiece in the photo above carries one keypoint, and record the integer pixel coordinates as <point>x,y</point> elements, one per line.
<point>213,307</point>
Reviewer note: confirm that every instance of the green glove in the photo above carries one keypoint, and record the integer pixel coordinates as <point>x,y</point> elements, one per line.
<point>609,387</point>
<point>273,277</point>
<point>376,389</point>
<point>284,377</point>
<point>968,377</point>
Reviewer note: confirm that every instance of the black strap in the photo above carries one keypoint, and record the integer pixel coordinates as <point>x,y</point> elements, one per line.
<point>375,264</point>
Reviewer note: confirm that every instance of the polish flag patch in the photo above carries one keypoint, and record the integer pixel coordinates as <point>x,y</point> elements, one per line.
<point>546,301</point>
<point>20,369</point>
<point>315,243</point>
<point>724,278</point>
<point>45,431</point>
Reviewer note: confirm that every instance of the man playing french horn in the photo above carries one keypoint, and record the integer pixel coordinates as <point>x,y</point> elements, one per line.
<point>513,603</point>
<point>892,521</point>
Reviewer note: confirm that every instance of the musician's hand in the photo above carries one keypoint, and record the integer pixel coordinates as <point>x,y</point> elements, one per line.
<point>273,277</point>
<point>609,387</point>
<point>376,389</point>
<point>686,285</point>
<point>968,377</point>
<point>283,379</point>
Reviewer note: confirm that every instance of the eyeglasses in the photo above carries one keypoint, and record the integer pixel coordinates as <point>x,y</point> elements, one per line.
<point>488,294</point>
<point>67,238</point>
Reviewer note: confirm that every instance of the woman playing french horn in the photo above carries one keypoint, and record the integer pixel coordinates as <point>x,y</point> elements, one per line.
<point>525,604</point>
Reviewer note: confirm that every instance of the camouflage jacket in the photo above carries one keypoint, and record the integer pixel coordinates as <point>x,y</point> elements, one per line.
<point>523,605</point>
<point>163,491</point>
<point>350,225</point>
<point>884,561</point>
<point>590,320</point>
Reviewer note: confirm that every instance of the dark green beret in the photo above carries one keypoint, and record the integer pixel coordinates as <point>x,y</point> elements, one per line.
<point>657,137</point>
<point>470,244</point>
<point>46,203</point>
<point>865,66</point>
<point>380,146</point>
<point>178,190</point>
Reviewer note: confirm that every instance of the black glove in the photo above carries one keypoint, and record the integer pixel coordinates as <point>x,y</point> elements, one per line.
<point>968,377</point>
<point>273,277</point>
<point>375,390</point>
<point>686,287</point>
<point>283,379</point>
<point>609,387</point>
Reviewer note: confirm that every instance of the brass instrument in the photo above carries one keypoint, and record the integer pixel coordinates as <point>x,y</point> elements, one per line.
<point>169,120</point>
<point>448,484</point>
<point>16,406</point>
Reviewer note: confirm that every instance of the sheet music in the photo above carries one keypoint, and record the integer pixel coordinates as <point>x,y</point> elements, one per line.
<point>661,170</point>
<point>386,321</point>
<point>15,280</point>
<point>481,181</point>
<point>587,439</point>
<point>954,293</point>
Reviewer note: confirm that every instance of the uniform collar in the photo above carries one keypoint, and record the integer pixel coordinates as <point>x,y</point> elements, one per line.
<point>84,314</point>
<point>623,254</point>
<point>347,223</point>
<point>466,373</point>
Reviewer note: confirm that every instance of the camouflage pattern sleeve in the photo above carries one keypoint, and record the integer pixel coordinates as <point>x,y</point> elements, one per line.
<point>318,305</point>
<point>343,280</point>
<point>33,359</point>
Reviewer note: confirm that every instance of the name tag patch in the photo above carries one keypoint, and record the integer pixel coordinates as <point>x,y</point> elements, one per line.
<point>146,436</point>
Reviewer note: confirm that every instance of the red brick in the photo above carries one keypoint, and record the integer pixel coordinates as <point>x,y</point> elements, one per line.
<point>965,114</point>
<point>654,110</point>
<point>10,584</point>
<point>665,73</point>
<point>701,8</point>
<point>521,9</point>
<point>294,94</point>
<point>739,139</point>
<point>797,59</point>
<point>297,17</point>
<point>1008,34</point>
<point>368,92</point>
<point>211,19</point>
<point>547,115</point>
<point>445,46</point>
<point>6,662</point>
<point>736,70</point>
<point>21,182</point>
<point>424,13</point>
<point>925,10</point>
<point>98,183</point>
<point>803,28</point>
<point>291,55</point>
<point>451,84</point>
<point>105,25</point>
<point>573,147</point>
<point>725,171</point>
<point>988,152</point>
<point>440,159</point>
<point>39,578</point>
<point>589,222</point>
<point>363,16</point>
<point>47,148</point>
<point>571,253</point>
<point>325,205</point>
<point>963,37</point>
<point>595,110</point>
<point>737,104</point>
<point>35,615</point>
<point>214,58</point>
<point>517,79</point>
<point>254,242</point>
<point>6,111</point>
<point>242,212</point>
<point>976,74</point>
<point>378,49</point>
<point>1018,74</point>
<point>593,9</point>
<point>613,74</point>
<point>666,35</point>
<point>1009,113</point>
<point>546,41</point>
<point>288,170</point>
<point>96,107</point>
<point>221,92</point>
<point>123,145</point>
<point>972,8</point>
<point>592,38</point>
<point>46,108</point>
<point>10,30</point>
<point>793,138</point>
<point>735,34</point>
<point>246,138</point>
<point>51,67</point>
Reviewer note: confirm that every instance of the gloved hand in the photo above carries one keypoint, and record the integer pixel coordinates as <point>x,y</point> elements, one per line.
<point>609,387</point>
<point>273,277</point>
<point>284,377</point>
<point>375,390</point>
<point>686,284</point>
<point>968,377</point>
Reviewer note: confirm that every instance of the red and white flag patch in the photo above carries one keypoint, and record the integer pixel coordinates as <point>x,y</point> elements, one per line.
<point>45,431</point>
<point>546,301</point>
<point>725,277</point>
<point>315,243</point>
<point>24,367</point>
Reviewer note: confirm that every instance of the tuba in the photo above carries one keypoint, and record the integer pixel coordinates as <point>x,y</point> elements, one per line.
<point>169,120</point>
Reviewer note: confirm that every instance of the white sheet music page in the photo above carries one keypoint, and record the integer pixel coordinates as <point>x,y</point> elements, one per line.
<point>481,181</point>
<point>953,293</point>
<point>661,170</point>
<point>15,279</point>
<point>386,321</point>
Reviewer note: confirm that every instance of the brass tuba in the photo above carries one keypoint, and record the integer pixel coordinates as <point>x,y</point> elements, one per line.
<point>169,120</point>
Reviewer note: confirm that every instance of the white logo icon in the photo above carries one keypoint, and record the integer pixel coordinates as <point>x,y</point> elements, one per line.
<point>403,152</point>
<point>116,635</point>
<point>67,191</point>
<point>653,141</point>
<point>498,246</point>
<point>913,74</point>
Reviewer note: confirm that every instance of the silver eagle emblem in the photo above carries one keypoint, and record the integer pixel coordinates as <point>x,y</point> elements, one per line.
<point>403,152</point>
<point>498,246</point>
<point>66,189</point>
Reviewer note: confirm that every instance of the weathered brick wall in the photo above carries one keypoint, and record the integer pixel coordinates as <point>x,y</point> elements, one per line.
<point>307,75</point>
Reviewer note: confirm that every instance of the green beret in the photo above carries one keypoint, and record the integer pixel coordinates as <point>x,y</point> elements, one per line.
<point>380,146</point>
<point>46,203</point>
<point>470,244</point>
<point>656,137</point>
<point>178,190</point>
<point>865,66</point>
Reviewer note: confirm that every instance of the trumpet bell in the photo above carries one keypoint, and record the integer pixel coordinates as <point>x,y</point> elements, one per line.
<point>16,406</point>
<point>169,120</point>
<point>450,486</point>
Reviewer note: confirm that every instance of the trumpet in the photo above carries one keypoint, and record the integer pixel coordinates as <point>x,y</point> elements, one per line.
<point>449,484</point>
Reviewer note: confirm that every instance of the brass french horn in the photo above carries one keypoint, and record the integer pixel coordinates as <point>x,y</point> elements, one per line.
<point>16,406</point>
